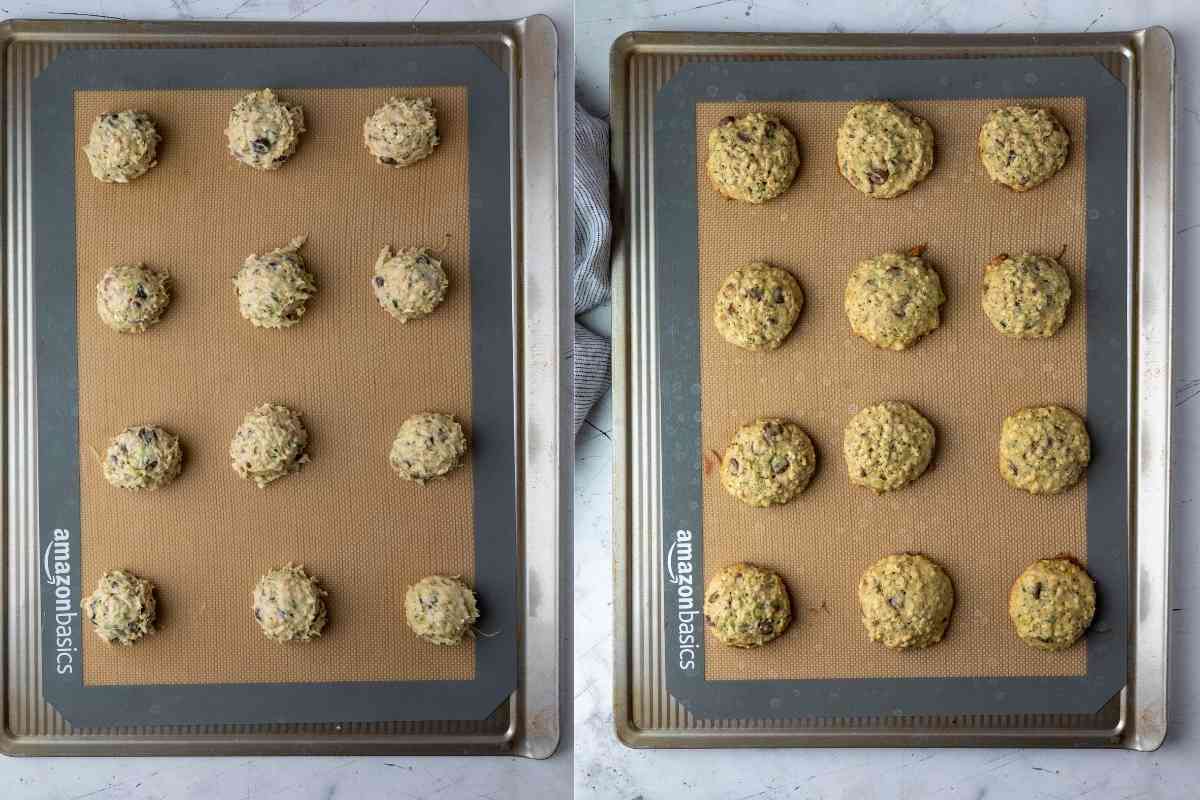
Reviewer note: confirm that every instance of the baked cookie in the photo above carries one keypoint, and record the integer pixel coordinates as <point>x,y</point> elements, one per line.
<point>1052,603</point>
<point>402,131</point>
<point>273,289</point>
<point>906,601</point>
<point>263,131</point>
<point>132,297</point>
<point>1044,449</point>
<point>746,605</point>
<point>441,609</point>
<point>122,145</point>
<point>894,299</point>
<point>271,442</point>
<point>428,446</point>
<point>1022,146</point>
<point>142,457</point>
<point>122,608</point>
<point>887,445</point>
<point>884,150</point>
<point>757,306</point>
<point>1026,296</point>
<point>752,158</point>
<point>769,462</point>
<point>409,283</point>
<point>289,605</point>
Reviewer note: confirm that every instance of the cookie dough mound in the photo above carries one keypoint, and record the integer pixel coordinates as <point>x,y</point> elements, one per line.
<point>752,158</point>
<point>887,446</point>
<point>894,299</point>
<point>769,462</point>
<point>757,306</point>
<point>428,446</point>
<point>122,608</point>
<point>263,130</point>
<point>1022,146</point>
<point>906,601</point>
<point>1026,296</point>
<point>409,283</point>
<point>132,297</point>
<point>746,605</point>
<point>402,132</point>
<point>270,443</point>
<point>142,457</point>
<point>1044,449</point>
<point>289,605</point>
<point>273,289</point>
<point>123,145</point>
<point>440,609</point>
<point>1052,603</point>
<point>884,150</point>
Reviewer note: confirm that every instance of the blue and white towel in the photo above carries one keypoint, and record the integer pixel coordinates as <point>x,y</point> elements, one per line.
<point>593,233</point>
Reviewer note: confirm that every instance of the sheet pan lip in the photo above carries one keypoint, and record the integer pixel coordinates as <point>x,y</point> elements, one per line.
<point>1131,47</point>
<point>518,36</point>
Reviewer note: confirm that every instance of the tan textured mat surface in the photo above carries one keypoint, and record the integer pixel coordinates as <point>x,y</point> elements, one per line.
<point>965,377</point>
<point>352,371</point>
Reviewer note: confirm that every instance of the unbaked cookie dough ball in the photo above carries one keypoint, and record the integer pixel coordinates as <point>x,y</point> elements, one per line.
<point>887,446</point>
<point>263,130</point>
<point>270,443</point>
<point>122,608</point>
<point>769,462</point>
<point>1052,603</point>
<point>441,609</point>
<point>428,446</point>
<point>746,605</point>
<point>289,605</point>
<point>132,297</point>
<point>1026,296</point>
<point>883,150</point>
<point>757,306</point>
<point>906,601</point>
<point>1044,449</point>
<point>402,132</point>
<point>894,299</point>
<point>142,457</point>
<point>409,283</point>
<point>123,145</point>
<point>752,158</point>
<point>1023,146</point>
<point>273,289</point>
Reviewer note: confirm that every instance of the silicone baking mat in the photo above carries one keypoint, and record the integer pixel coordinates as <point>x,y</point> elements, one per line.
<point>964,377</point>
<point>352,371</point>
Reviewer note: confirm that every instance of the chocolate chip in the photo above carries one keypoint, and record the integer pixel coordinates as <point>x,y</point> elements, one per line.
<point>769,129</point>
<point>391,162</point>
<point>877,176</point>
<point>779,464</point>
<point>379,280</point>
<point>140,292</point>
<point>147,435</point>
<point>777,295</point>
<point>1037,591</point>
<point>755,292</point>
<point>728,120</point>
<point>261,145</point>
<point>1011,157</point>
<point>766,627</point>
<point>743,136</point>
<point>735,466</point>
<point>896,602</point>
<point>771,430</point>
<point>282,159</point>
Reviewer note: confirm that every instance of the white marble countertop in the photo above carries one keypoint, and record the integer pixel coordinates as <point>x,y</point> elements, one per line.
<point>606,769</point>
<point>294,778</point>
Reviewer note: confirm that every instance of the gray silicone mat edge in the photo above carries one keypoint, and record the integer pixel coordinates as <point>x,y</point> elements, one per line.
<point>493,402</point>
<point>676,257</point>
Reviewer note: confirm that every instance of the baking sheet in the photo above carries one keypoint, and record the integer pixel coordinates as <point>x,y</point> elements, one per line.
<point>961,513</point>
<point>965,377</point>
<point>352,371</point>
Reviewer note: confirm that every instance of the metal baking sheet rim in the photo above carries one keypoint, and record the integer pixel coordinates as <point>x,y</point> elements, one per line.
<point>528,48</point>
<point>1139,713</point>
